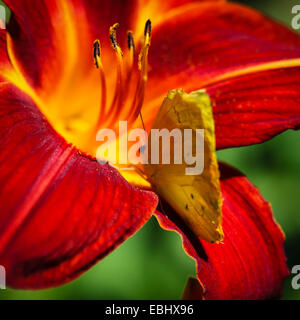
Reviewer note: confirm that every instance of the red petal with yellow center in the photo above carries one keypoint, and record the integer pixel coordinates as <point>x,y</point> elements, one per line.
<point>48,34</point>
<point>60,210</point>
<point>230,50</point>
<point>250,262</point>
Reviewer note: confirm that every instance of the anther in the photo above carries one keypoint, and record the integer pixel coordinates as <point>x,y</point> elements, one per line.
<point>143,67</point>
<point>130,41</point>
<point>112,35</point>
<point>98,63</point>
<point>118,97</point>
<point>130,60</point>
<point>148,28</point>
<point>97,53</point>
<point>113,38</point>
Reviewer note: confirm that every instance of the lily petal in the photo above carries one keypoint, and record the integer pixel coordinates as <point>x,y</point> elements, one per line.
<point>157,10</point>
<point>4,60</point>
<point>60,210</point>
<point>208,45</point>
<point>250,263</point>
<point>254,108</point>
<point>32,33</point>
<point>193,290</point>
<point>58,35</point>
<point>59,32</point>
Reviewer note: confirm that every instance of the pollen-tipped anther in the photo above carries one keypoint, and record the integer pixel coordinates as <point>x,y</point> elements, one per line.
<point>113,38</point>
<point>148,28</point>
<point>97,53</point>
<point>130,41</point>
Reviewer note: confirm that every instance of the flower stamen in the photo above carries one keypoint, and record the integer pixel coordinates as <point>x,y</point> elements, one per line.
<point>118,97</point>
<point>125,69</point>
<point>129,64</point>
<point>143,67</point>
<point>147,33</point>
<point>131,48</point>
<point>98,63</point>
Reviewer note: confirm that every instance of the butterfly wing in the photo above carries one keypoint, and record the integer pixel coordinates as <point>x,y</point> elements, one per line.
<point>197,197</point>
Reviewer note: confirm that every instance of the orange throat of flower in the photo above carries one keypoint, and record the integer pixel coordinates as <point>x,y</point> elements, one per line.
<point>76,105</point>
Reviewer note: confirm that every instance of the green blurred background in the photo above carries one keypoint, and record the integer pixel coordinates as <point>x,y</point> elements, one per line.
<point>153,265</point>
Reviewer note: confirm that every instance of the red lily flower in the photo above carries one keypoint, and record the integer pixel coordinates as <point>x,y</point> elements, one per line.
<point>61,211</point>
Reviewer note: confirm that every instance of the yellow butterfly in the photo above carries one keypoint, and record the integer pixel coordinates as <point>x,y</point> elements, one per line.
<point>195,197</point>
